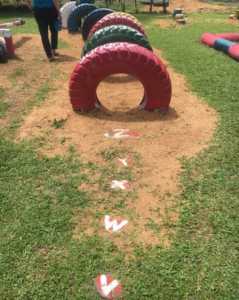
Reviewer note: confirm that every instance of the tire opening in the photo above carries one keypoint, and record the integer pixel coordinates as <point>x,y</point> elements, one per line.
<point>120,92</point>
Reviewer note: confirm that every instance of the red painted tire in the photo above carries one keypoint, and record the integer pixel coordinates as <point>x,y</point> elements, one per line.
<point>234,51</point>
<point>117,58</point>
<point>117,19</point>
<point>231,36</point>
<point>209,39</point>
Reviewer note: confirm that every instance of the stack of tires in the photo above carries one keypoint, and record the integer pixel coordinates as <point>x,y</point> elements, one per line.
<point>116,43</point>
<point>73,12</point>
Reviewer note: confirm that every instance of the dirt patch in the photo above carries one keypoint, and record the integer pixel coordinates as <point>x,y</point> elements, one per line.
<point>183,132</point>
<point>146,229</point>
<point>166,23</point>
<point>196,6</point>
<point>193,6</point>
<point>23,75</point>
<point>233,21</point>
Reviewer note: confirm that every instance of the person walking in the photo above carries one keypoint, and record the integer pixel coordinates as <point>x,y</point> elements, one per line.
<point>47,15</point>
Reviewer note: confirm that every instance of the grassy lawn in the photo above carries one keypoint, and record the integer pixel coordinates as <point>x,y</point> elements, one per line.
<point>39,196</point>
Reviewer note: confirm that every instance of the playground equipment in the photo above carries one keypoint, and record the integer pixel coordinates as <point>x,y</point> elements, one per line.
<point>151,3</point>
<point>3,51</point>
<point>76,15</point>
<point>117,19</point>
<point>78,2</point>
<point>181,20</point>
<point>178,15</point>
<point>92,18</point>
<point>225,42</point>
<point>235,15</point>
<point>65,11</point>
<point>115,33</point>
<point>116,48</point>
<point>116,58</point>
<point>178,11</point>
<point>8,42</point>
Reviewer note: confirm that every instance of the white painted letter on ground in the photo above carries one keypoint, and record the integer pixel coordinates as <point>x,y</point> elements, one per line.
<point>114,225</point>
<point>107,287</point>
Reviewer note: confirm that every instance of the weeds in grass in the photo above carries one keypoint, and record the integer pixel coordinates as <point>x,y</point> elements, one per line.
<point>58,123</point>
<point>18,72</point>
<point>3,108</point>
<point>2,93</point>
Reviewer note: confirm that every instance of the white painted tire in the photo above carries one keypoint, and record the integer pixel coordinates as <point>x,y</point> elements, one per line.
<point>3,51</point>
<point>65,10</point>
<point>2,41</point>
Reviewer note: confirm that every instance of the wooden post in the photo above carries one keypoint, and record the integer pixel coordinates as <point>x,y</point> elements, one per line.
<point>123,5</point>
<point>151,6</point>
<point>164,7</point>
<point>135,5</point>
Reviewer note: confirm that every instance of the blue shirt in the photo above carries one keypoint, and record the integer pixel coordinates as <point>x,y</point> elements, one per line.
<point>42,3</point>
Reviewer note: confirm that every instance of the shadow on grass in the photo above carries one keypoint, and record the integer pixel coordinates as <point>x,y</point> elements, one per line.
<point>66,58</point>
<point>16,57</point>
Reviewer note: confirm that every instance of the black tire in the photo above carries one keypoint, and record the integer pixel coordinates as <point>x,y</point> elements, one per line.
<point>91,20</point>
<point>115,33</point>
<point>156,2</point>
<point>74,20</point>
<point>3,52</point>
<point>78,2</point>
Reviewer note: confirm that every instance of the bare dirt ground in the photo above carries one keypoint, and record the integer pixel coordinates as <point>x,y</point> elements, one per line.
<point>16,77</point>
<point>194,6</point>
<point>183,132</point>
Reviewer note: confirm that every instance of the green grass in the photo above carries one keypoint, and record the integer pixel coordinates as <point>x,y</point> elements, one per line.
<point>30,27</point>
<point>18,72</point>
<point>2,92</point>
<point>58,123</point>
<point>39,198</point>
<point>40,95</point>
<point>3,108</point>
<point>3,105</point>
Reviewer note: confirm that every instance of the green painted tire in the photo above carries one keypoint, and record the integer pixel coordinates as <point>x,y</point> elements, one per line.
<point>115,33</point>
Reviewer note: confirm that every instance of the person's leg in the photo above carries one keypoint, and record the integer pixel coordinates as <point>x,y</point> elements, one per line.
<point>54,35</point>
<point>43,29</point>
<point>53,24</point>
